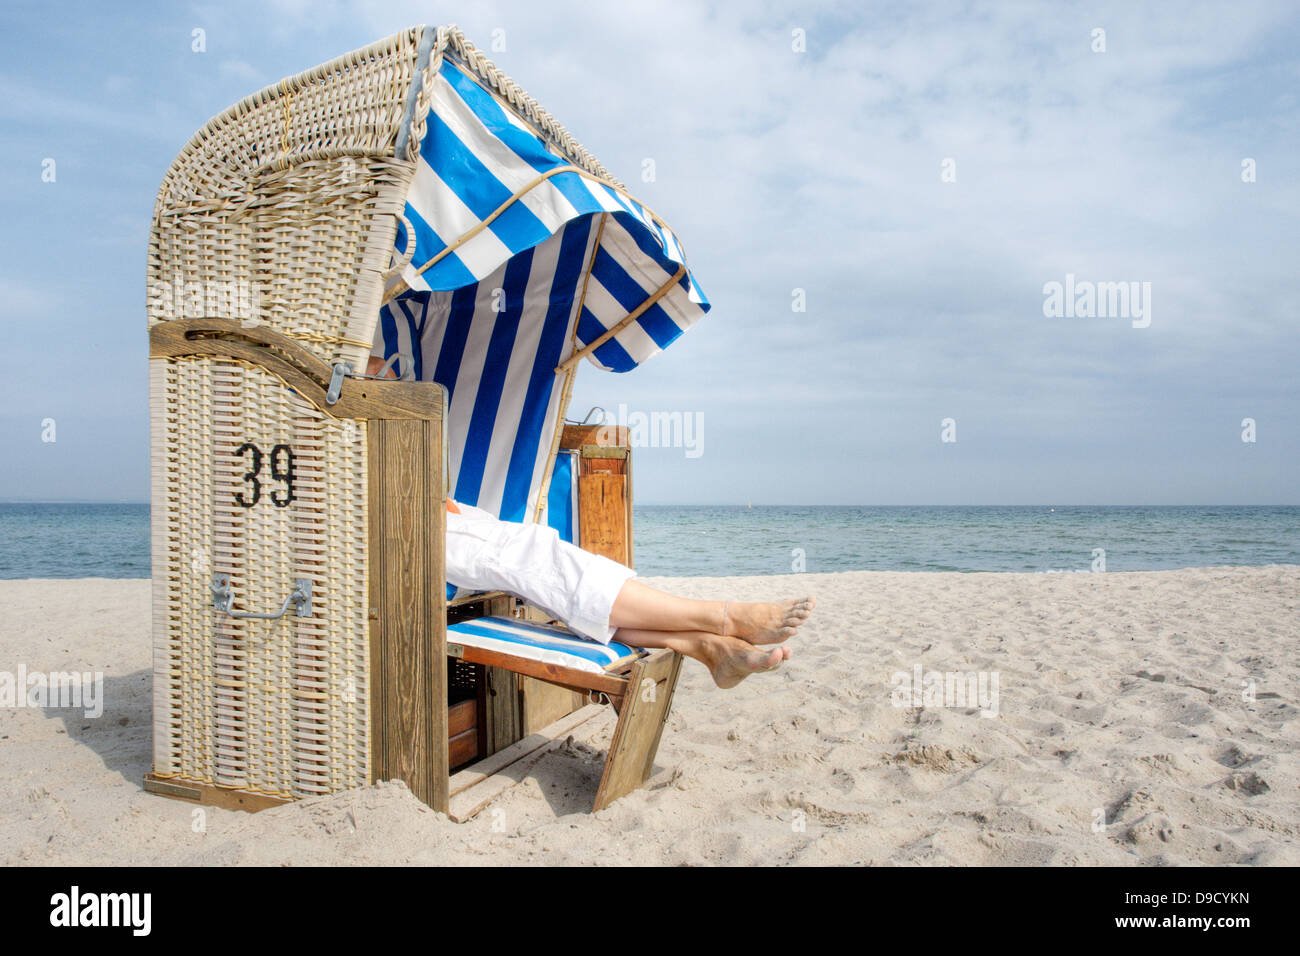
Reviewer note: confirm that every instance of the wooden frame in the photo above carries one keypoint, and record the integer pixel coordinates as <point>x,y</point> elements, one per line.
<point>406,463</point>
<point>604,488</point>
<point>408,630</point>
<point>406,458</point>
<point>641,690</point>
<point>641,717</point>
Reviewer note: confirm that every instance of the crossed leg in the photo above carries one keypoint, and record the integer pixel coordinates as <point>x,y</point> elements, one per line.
<point>724,636</point>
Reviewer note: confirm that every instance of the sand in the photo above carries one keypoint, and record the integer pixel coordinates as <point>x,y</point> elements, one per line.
<point>1126,732</point>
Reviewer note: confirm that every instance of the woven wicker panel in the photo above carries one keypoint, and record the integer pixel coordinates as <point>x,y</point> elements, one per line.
<point>283,209</point>
<point>277,707</point>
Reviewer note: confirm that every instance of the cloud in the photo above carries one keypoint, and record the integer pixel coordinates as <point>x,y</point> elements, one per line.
<point>822,171</point>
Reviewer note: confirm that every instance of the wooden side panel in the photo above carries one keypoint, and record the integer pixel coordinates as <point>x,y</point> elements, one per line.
<point>602,515</point>
<point>503,707</point>
<point>503,717</point>
<point>640,725</point>
<point>408,640</point>
<point>544,703</point>
<point>627,493</point>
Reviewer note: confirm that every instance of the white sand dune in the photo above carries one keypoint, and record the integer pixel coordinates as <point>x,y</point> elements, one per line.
<point>1125,733</point>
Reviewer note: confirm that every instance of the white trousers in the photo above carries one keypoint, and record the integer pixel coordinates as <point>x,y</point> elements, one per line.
<point>532,562</point>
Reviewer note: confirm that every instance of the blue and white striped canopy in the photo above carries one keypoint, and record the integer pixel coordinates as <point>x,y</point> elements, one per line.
<point>521,259</point>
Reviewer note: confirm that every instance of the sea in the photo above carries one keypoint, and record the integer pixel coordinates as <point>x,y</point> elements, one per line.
<point>112,540</point>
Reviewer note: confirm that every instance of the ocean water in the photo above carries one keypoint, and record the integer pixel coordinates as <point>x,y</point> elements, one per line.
<point>112,540</point>
<point>775,540</point>
<point>74,541</point>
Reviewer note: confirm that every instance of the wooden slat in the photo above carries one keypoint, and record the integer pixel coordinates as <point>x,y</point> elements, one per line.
<point>627,521</point>
<point>408,608</point>
<point>602,510</point>
<point>604,452</point>
<point>502,711</point>
<point>640,725</point>
<point>462,747</point>
<point>545,703</point>
<point>574,437</point>
<point>572,677</point>
<point>502,714</point>
<point>461,717</point>
<point>475,787</point>
<point>206,794</point>
<point>476,599</point>
<point>298,368</point>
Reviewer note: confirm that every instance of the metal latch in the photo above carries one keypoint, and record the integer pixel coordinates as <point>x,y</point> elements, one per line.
<point>223,598</point>
<point>341,369</point>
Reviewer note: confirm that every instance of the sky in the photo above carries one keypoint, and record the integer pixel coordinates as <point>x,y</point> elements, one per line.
<point>876,198</point>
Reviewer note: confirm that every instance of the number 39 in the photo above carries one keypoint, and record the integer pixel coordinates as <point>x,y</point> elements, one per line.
<point>281,470</point>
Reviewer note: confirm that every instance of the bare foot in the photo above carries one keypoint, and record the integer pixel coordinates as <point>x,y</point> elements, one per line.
<point>733,660</point>
<point>766,622</point>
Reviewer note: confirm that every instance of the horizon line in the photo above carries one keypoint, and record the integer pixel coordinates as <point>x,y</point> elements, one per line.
<point>746,505</point>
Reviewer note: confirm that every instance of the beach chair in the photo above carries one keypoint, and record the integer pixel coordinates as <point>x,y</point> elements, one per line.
<point>406,200</point>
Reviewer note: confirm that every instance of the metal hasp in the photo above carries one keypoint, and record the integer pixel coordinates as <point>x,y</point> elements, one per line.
<point>223,598</point>
<point>341,369</point>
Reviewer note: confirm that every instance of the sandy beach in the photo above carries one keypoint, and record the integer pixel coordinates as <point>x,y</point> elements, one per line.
<point>1127,718</point>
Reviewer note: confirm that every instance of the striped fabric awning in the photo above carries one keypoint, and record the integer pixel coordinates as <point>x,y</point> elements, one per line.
<point>487,187</point>
<point>494,346</point>
<point>522,261</point>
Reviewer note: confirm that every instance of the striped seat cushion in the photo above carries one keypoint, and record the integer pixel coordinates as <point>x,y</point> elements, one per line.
<point>539,642</point>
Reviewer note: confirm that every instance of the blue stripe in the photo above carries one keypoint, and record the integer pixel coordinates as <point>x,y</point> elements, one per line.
<point>629,295</point>
<point>647,243</point>
<point>625,290</point>
<point>573,649</point>
<point>612,355</point>
<point>527,146</point>
<point>455,164</point>
<point>559,497</point>
<point>469,481</point>
<point>450,272</point>
<point>459,319</point>
<point>542,380</point>
<point>388,327</point>
<point>576,647</point>
<point>548,632</point>
<point>547,635</point>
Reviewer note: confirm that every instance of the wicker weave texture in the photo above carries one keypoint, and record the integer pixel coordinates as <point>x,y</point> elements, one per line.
<point>283,210</point>
<point>276,707</point>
